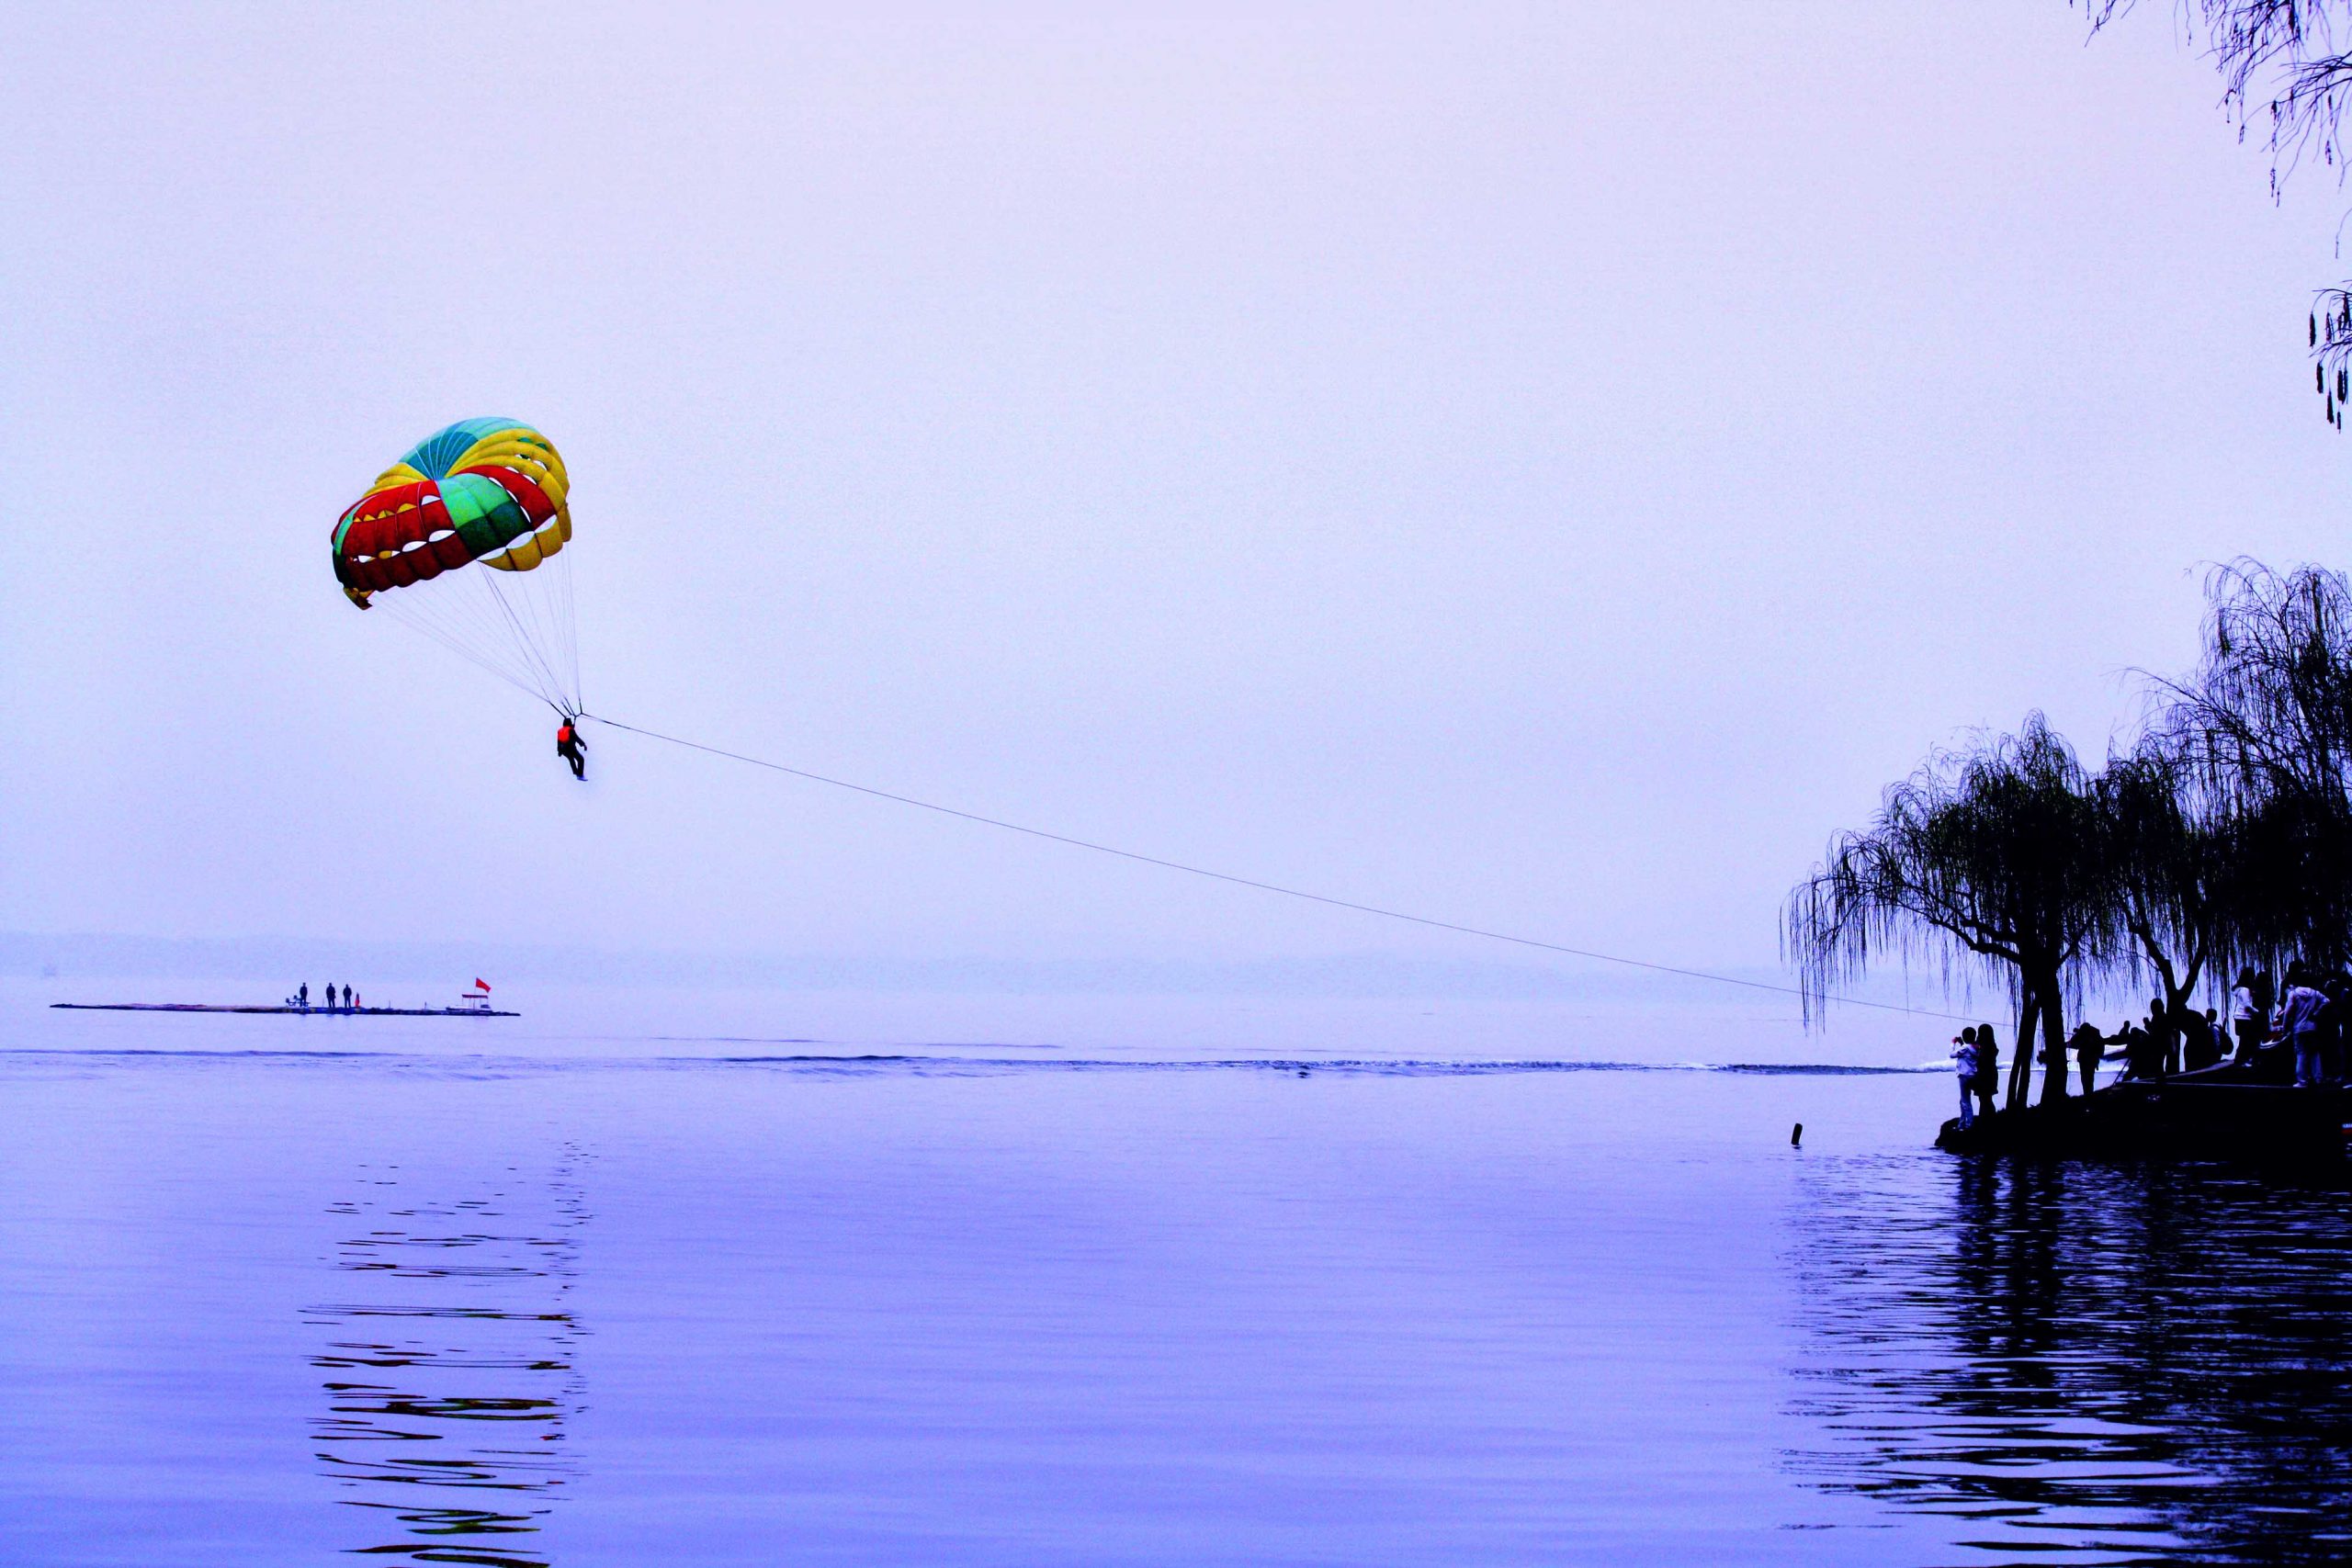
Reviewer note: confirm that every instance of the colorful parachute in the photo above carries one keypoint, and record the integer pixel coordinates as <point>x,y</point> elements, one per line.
<point>484,493</point>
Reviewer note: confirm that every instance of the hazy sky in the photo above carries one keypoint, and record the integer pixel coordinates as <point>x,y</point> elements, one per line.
<point>1546,466</point>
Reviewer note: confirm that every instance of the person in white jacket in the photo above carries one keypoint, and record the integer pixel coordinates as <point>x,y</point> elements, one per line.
<point>1963,1062</point>
<point>2299,1025</point>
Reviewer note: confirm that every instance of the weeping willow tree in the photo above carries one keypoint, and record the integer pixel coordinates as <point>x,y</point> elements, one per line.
<point>1990,859</point>
<point>2222,837</point>
<point>2262,730</point>
<point>2173,866</point>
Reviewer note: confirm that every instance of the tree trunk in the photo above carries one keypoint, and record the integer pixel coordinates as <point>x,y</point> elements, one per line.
<point>2053,1034</point>
<point>2021,1063</point>
<point>2179,985</point>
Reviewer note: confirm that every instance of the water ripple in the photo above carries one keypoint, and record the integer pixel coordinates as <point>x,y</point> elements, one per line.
<point>452,1385</point>
<point>2089,1364</point>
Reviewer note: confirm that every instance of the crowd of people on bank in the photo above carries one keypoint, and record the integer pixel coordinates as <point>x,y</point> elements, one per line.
<point>2299,1033</point>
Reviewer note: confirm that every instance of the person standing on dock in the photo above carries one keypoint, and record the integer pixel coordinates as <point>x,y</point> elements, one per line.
<point>302,997</point>
<point>1965,1063</point>
<point>346,999</point>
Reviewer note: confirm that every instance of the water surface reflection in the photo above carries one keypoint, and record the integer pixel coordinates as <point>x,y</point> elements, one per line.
<point>2077,1363</point>
<point>450,1372</point>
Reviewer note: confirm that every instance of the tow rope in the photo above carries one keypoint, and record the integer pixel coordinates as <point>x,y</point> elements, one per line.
<point>1300,893</point>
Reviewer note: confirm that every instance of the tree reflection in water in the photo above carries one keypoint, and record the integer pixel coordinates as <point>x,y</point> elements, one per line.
<point>451,1375</point>
<point>2082,1363</point>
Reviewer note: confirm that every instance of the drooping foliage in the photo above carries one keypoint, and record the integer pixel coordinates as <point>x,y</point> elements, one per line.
<point>1977,859</point>
<point>2283,65</point>
<point>2222,837</point>
<point>1988,858</point>
<point>2286,69</point>
<point>2262,732</point>
<point>2171,868</point>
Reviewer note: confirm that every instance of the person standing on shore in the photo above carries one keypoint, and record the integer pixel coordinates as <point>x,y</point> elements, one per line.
<point>2200,1039</point>
<point>2143,1047</point>
<point>2090,1049</point>
<point>2135,1041</point>
<point>2335,1024</point>
<point>2299,1024</point>
<point>1988,1066</point>
<point>1964,1062</point>
<point>2164,1038</point>
<point>2250,1012</point>
<point>302,997</point>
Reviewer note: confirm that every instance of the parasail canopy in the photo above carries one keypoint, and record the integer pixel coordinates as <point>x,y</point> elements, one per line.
<point>463,539</point>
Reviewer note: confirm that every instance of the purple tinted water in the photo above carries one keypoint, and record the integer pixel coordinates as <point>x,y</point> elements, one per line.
<point>502,1310</point>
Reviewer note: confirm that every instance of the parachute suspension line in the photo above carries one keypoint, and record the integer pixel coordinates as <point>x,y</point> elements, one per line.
<point>488,495</point>
<point>527,639</point>
<point>465,620</point>
<point>521,631</point>
<point>554,604</point>
<point>1262,886</point>
<point>517,598</point>
<point>571,636</point>
<point>453,633</point>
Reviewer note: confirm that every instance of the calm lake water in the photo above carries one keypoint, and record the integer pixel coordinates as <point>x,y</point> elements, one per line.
<point>277,1292</point>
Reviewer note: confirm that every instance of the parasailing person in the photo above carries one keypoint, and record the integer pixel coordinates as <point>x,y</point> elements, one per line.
<point>568,746</point>
<point>463,539</point>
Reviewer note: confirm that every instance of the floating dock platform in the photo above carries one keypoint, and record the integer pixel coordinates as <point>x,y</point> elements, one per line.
<point>298,1011</point>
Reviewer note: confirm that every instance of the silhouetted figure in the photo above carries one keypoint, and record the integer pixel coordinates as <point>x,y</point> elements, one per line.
<point>2299,1024</point>
<point>1965,1063</point>
<point>347,997</point>
<point>2137,1066</point>
<point>2335,1016</point>
<point>2090,1049</point>
<point>1988,1066</point>
<point>2250,1012</point>
<point>327,999</point>
<point>2200,1039</point>
<point>569,746</point>
<point>2164,1037</point>
<point>302,997</point>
